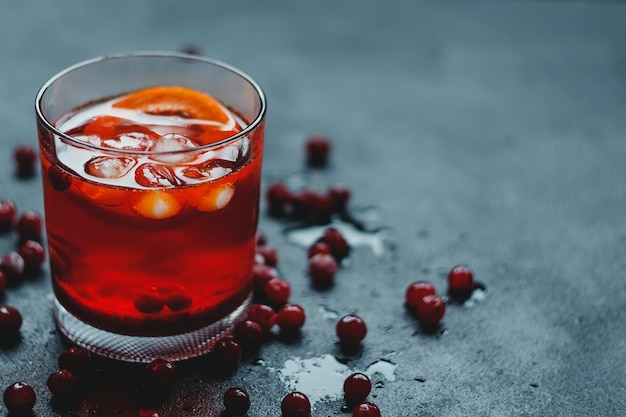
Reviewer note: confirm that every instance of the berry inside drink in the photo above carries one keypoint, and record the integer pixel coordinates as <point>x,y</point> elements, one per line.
<point>152,210</point>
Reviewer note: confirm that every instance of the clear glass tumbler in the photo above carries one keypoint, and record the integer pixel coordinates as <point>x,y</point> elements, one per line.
<point>151,166</point>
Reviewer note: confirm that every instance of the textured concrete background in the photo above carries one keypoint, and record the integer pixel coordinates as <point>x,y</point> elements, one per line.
<point>479,132</point>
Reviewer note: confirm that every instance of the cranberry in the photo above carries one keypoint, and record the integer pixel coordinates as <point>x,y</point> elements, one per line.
<point>3,282</point>
<point>147,412</point>
<point>322,268</point>
<point>366,409</point>
<point>295,404</point>
<point>318,247</point>
<point>264,315</point>
<point>340,195</point>
<point>277,290</point>
<point>351,330</point>
<point>8,211</point>
<point>59,180</point>
<point>10,320</point>
<point>418,290</point>
<point>338,245</point>
<point>236,401</point>
<point>278,198</point>
<point>19,398</point>
<point>269,254</point>
<point>178,301</point>
<point>317,150</point>
<point>460,282</point>
<point>261,275</point>
<point>29,225</point>
<point>323,207</point>
<point>303,203</point>
<point>161,374</point>
<point>33,254</point>
<point>75,359</point>
<point>150,303</point>
<point>227,353</point>
<point>430,309</point>
<point>12,265</point>
<point>290,318</point>
<point>26,158</point>
<point>261,239</point>
<point>357,387</point>
<point>62,383</point>
<point>249,333</point>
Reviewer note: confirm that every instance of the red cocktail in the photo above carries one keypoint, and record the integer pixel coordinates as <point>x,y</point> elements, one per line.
<point>151,197</point>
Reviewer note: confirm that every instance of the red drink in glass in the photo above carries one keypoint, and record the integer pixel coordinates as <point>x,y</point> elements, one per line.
<point>151,201</point>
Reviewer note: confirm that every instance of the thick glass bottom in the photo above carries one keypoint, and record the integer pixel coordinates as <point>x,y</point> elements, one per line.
<point>141,348</point>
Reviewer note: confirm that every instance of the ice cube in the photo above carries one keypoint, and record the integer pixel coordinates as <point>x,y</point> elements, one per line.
<point>211,170</point>
<point>157,205</point>
<point>173,143</point>
<point>156,176</point>
<point>108,166</point>
<point>216,198</point>
<point>134,141</point>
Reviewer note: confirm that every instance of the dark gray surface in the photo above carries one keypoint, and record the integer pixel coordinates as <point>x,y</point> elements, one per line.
<point>486,133</point>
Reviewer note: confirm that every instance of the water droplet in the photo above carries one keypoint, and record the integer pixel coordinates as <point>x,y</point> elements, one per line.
<point>478,295</point>
<point>328,313</point>
<point>383,367</point>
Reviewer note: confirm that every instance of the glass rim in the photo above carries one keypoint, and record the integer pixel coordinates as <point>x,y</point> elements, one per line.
<point>251,126</point>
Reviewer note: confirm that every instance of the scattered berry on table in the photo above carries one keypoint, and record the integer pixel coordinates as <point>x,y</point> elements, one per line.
<point>3,282</point>
<point>33,254</point>
<point>418,290</point>
<point>10,320</point>
<point>227,353</point>
<point>29,225</point>
<point>261,275</point>
<point>318,149</point>
<point>318,247</point>
<point>357,387</point>
<point>12,265</point>
<point>278,197</point>
<point>264,315</point>
<point>236,401</point>
<point>248,333</point>
<point>62,383</point>
<point>295,404</point>
<point>8,212</point>
<point>269,254</point>
<point>26,159</point>
<point>322,268</point>
<point>460,282</point>
<point>339,247</point>
<point>431,309</point>
<point>290,318</point>
<point>75,359</point>
<point>351,330</point>
<point>161,374</point>
<point>366,409</point>
<point>277,290</point>
<point>19,398</point>
<point>340,195</point>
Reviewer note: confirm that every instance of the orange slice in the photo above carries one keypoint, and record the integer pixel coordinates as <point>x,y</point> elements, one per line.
<point>175,101</point>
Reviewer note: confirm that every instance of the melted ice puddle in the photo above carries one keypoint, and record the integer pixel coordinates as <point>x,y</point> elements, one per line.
<point>323,377</point>
<point>305,237</point>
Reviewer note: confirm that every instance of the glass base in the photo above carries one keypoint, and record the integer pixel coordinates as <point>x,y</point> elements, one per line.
<point>145,349</point>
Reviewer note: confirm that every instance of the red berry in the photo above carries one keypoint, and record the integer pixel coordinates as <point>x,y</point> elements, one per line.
<point>357,387</point>
<point>161,373</point>
<point>12,265</point>
<point>430,309</point>
<point>418,290</point>
<point>460,282</point>
<point>278,198</point>
<point>26,158</point>
<point>264,315</point>
<point>236,401</point>
<point>366,409</point>
<point>150,303</point>
<point>322,268</point>
<point>277,290</point>
<point>33,254</point>
<point>261,275</point>
<point>351,330</point>
<point>269,254</point>
<point>227,353</point>
<point>248,333</point>
<point>340,195</point>
<point>261,239</point>
<point>62,383</point>
<point>3,283</point>
<point>335,240</point>
<point>59,180</point>
<point>75,359</point>
<point>178,301</point>
<point>10,320</point>
<point>19,398</point>
<point>302,203</point>
<point>317,150</point>
<point>8,211</point>
<point>319,247</point>
<point>295,404</point>
<point>290,318</point>
<point>29,225</point>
